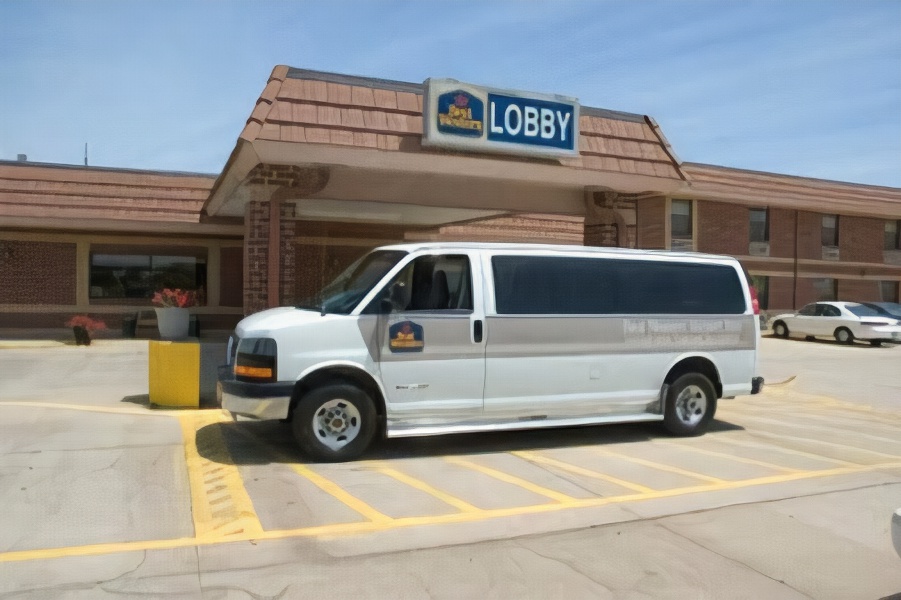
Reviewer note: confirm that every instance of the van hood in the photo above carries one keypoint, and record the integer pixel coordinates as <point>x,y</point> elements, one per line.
<point>261,323</point>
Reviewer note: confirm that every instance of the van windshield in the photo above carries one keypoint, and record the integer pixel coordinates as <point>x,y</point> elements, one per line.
<point>346,291</point>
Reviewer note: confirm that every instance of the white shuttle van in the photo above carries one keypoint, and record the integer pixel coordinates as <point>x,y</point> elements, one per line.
<point>436,338</point>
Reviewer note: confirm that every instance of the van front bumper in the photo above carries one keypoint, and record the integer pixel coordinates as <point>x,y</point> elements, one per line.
<point>262,401</point>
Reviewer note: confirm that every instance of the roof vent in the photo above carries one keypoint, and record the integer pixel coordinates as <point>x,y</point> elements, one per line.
<point>22,158</point>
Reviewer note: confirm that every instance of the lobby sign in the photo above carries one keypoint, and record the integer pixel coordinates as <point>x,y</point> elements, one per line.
<point>465,117</point>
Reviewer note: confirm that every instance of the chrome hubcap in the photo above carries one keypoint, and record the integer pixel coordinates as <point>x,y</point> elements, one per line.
<point>336,423</point>
<point>691,405</point>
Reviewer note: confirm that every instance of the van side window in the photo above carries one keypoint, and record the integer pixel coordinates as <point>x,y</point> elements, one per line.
<point>431,283</point>
<point>581,286</point>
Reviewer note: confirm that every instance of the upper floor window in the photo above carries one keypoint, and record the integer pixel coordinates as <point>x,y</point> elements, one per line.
<point>681,225</point>
<point>760,224</point>
<point>892,235</point>
<point>830,230</point>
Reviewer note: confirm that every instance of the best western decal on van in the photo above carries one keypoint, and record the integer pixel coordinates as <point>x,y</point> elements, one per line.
<point>465,117</point>
<point>406,336</point>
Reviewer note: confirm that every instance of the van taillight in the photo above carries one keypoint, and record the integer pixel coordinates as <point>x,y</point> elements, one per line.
<point>755,303</point>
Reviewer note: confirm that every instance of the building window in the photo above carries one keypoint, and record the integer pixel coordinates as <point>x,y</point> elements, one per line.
<point>681,226</point>
<point>888,290</point>
<point>826,289</point>
<point>123,272</point>
<point>830,230</point>
<point>892,235</point>
<point>760,225</point>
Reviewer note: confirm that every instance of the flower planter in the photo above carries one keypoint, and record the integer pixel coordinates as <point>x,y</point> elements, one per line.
<point>82,337</point>
<point>174,323</point>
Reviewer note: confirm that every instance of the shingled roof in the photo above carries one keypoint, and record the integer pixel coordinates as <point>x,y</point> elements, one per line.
<point>305,110</point>
<point>755,188</point>
<point>31,191</point>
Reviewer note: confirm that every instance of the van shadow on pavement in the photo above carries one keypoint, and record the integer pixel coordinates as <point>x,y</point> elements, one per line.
<point>271,442</point>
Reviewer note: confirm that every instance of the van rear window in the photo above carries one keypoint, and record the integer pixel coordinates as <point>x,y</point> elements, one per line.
<point>578,286</point>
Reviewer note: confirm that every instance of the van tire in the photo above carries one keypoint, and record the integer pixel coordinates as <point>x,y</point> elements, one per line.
<point>334,423</point>
<point>690,405</point>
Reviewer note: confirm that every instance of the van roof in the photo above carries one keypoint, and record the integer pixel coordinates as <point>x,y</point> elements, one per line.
<point>554,248</point>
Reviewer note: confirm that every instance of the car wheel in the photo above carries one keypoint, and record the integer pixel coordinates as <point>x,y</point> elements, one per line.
<point>334,423</point>
<point>843,335</point>
<point>690,405</point>
<point>780,329</point>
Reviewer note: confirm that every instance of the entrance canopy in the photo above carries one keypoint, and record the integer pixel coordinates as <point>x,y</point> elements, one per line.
<point>330,142</point>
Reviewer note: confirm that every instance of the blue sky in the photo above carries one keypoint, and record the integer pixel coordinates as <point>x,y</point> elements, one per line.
<point>803,87</point>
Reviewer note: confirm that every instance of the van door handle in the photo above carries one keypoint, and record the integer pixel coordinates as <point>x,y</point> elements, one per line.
<point>477,331</point>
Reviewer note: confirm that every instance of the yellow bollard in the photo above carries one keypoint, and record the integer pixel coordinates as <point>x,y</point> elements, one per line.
<point>175,374</point>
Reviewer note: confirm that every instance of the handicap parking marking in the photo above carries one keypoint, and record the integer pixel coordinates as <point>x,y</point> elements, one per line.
<point>223,510</point>
<point>220,505</point>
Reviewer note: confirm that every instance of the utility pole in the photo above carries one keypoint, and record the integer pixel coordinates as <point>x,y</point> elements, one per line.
<point>85,154</point>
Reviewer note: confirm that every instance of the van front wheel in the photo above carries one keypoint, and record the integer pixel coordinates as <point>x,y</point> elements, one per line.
<point>334,423</point>
<point>690,405</point>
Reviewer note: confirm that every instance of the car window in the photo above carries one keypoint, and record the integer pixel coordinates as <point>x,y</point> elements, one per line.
<point>831,311</point>
<point>556,285</point>
<point>432,283</point>
<point>862,311</point>
<point>809,310</point>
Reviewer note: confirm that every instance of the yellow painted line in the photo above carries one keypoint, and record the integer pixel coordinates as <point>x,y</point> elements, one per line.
<point>337,492</point>
<point>360,527</point>
<point>732,457</point>
<point>826,428</point>
<point>103,409</point>
<point>661,467</point>
<point>795,438</point>
<point>537,458</point>
<point>505,477</point>
<point>784,450</point>
<point>425,487</point>
<point>220,505</point>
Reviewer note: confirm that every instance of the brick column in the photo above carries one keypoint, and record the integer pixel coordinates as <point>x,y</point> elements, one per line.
<point>273,191</point>
<point>256,256</point>
<point>610,219</point>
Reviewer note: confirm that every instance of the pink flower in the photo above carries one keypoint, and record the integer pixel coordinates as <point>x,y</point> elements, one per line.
<point>176,298</point>
<point>87,322</point>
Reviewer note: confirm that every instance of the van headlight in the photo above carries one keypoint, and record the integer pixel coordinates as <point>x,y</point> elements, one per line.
<point>256,360</point>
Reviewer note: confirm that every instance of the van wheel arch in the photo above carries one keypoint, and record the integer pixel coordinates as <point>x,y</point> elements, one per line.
<point>696,364</point>
<point>337,376</point>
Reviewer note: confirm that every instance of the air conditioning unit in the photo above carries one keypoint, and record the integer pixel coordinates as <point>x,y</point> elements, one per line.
<point>682,245</point>
<point>830,253</point>
<point>891,257</point>
<point>759,249</point>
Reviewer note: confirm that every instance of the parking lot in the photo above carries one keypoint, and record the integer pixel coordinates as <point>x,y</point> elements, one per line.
<point>790,494</point>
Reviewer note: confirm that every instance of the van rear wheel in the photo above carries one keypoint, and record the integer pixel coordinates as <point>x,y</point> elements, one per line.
<point>334,423</point>
<point>690,405</point>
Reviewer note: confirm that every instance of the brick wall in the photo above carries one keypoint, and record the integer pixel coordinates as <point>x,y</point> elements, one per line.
<point>722,228</point>
<point>782,233</point>
<point>256,253</point>
<point>231,277</point>
<point>288,272</point>
<point>858,290</point>
<point>780,294</point>
<point>860,239</point>
<point>37,272</point>
<point>651,223</point>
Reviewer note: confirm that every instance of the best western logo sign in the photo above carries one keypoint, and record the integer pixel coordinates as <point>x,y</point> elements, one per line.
<point>466,117</point>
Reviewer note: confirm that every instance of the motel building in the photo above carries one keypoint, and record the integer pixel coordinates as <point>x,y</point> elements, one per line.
<point>329,166</point>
